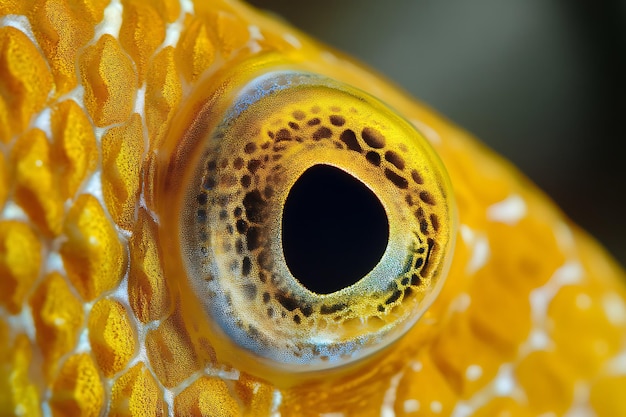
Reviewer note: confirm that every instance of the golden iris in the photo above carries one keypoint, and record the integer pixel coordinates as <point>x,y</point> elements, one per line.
<point>314,223</point>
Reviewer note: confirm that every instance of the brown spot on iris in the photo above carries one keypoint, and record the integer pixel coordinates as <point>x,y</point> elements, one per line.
<point>349,138</point>
<point>250,148</point>
<point>427,198</point>
<point>322,133</point>
<point>373,158</point>
<point>283,134</point>
<point>324,309</point>
<point>395,159</point>
<point>396,179</point>
<point>337,120</point>
<point>417,177</point>
<point>373,138</point>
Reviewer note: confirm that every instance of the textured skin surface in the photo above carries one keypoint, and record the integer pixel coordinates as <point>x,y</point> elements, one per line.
<point>531,321</point>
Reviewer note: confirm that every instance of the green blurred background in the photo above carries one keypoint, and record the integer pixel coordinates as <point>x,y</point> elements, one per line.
<point>542,82</point>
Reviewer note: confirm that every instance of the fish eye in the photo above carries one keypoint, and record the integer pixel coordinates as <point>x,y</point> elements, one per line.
<point>314,224</point>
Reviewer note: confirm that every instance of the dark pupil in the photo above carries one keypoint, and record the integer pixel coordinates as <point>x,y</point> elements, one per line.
<point>335,229</point>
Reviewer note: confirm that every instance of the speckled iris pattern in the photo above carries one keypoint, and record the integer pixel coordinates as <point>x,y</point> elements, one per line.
<point>234,209</point>
<point>147,149</point>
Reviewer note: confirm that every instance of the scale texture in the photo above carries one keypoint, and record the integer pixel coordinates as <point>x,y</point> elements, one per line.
<point>530,322</point>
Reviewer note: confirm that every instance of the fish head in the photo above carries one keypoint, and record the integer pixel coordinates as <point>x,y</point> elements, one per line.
<point>206,212</point>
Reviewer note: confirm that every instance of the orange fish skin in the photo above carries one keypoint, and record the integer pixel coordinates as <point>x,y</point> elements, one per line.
<point>94,319</point>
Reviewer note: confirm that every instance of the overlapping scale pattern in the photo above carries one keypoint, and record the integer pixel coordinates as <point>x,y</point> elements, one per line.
<point>531,321</point>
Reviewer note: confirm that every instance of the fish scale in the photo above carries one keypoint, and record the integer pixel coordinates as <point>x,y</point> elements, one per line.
<point>531,320</point>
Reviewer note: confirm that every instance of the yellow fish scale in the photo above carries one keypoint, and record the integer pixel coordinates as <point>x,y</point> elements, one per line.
<point>531,320</point>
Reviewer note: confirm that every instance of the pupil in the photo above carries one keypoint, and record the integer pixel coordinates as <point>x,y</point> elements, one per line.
<point>334,229</point>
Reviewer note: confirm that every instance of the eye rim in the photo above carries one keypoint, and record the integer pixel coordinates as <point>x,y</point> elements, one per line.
<point>250,81</point>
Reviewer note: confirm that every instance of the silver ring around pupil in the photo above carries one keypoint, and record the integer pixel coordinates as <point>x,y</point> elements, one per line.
<point>334,229</point>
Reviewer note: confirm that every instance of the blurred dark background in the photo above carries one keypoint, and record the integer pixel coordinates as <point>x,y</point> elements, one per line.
<point>542,82</point>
